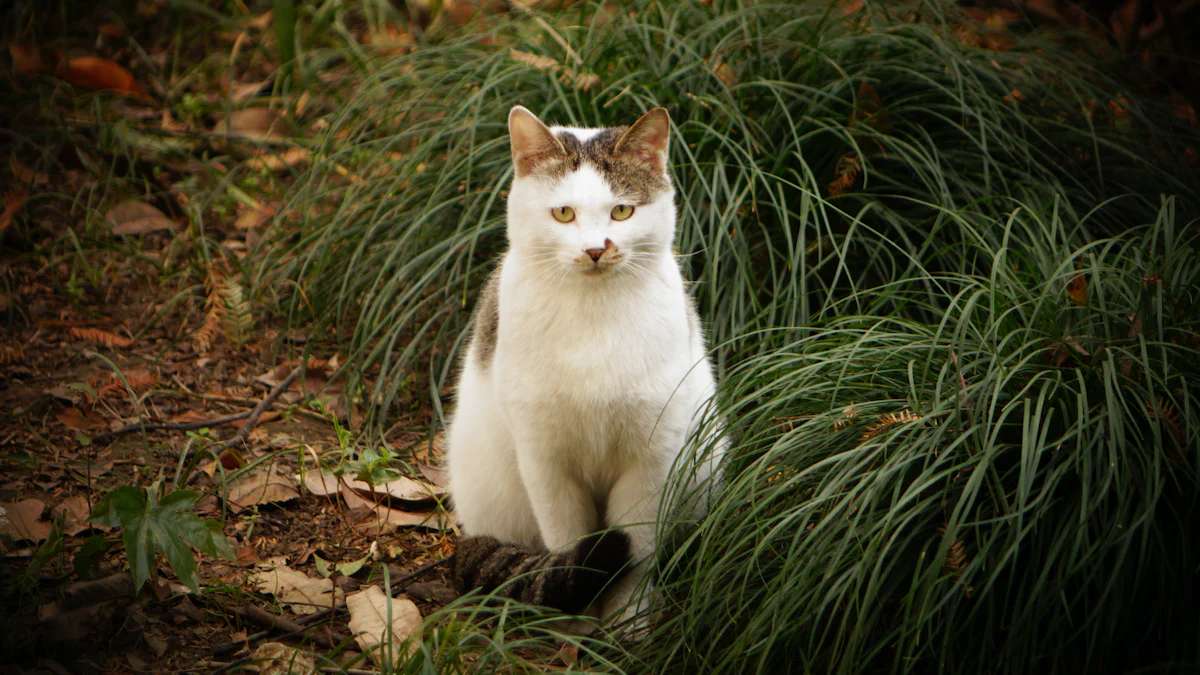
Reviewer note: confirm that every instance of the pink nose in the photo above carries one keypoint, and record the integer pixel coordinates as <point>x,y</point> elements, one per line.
<point>595,253</point>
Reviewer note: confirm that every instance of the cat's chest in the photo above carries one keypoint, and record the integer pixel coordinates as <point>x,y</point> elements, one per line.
<point>595,347</point>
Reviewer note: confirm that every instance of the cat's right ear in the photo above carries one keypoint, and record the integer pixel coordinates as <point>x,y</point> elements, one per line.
<point>532,142</point>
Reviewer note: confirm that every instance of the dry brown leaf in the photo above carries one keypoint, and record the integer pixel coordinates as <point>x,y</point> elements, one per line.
<point>75,511</point>
<point>257,123</point>
<point>385,520</point>
<point>402,489</point>
<point>391,40</point>
<point>28,59</point>
<point>847,173</point>
<point>71,418</point>
<point>298,591</point>
<point>13,200</point>
<point>262,487</point>
<point>321,484</point>
<point>242,91</point>
<point>26,175</point>
<point>86,606</point>
<point>94,72</point>
<point>102,336</point>
<point>251,218</point>
<point>275,658</point>
<point>132,217</point>
<point>1077,288</point>
<point>369,612</point>
<point>23,520</point>
<point>434,475</point>
<point>275,162</point>
<point>723,72</point>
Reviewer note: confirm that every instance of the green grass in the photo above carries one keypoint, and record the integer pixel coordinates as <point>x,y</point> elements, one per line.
<point>1026,507</point>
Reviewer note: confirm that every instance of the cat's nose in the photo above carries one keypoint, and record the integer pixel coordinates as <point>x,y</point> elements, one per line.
<point>595,253</point>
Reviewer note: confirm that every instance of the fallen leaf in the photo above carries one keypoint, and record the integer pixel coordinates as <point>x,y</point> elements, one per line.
<point>261,488</point>
<point>326,568</point>
<point>275,162</point>
<point>28,59</point>
<point>94,72</point>
<point>241,91</point>
<point>256,123</point>
<point>386,520</point>
<point>134,217</point>
<point>26,175</point>
<point>72,419</point>
<point>23,520</point>
<point>1077,288</point>
<point>102,336</point>
<point>275,658</point>
<point>13,200</point>
<point>252,218</point>
<point>75,511</point>
<point>401,489</point>
<point>321,484</point>
<point>434,475</point>
<point>87,605</point>
<point>568,654</point>
<point>370,610</point>
<point>247,556</point>
<point>301,593</point>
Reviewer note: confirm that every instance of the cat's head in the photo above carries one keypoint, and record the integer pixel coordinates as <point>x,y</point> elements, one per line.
<point>590,201</point>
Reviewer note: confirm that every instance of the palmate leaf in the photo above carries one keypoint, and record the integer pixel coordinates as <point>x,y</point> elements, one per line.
<point>150,526</point>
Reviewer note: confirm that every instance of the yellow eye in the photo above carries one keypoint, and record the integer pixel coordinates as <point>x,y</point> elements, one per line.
<point>563,214</point>
<point>622,212</point>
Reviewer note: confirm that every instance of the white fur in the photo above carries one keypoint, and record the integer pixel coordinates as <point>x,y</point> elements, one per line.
<point>595,382</point>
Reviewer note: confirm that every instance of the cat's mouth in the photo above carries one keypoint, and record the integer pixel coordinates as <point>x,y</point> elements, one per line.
<point>597,267</point>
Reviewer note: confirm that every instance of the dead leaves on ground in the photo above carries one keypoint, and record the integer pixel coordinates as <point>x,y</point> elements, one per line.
<point>261,487</point>
<point>384,641</point>
<point>23,520</point>
<point>132,217</point>
<point>299,592</point>
<point>90,72</point>
<point>102,336</point>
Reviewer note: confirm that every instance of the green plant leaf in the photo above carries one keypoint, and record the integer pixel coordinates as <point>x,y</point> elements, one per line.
<point>87,559</point>
<point>150,526</point>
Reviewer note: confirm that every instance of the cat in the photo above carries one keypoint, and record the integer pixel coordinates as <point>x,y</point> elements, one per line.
<point>568,581</point>
<point>586,368</point>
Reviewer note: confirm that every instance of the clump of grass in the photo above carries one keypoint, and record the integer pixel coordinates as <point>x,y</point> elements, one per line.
<point>944,459</point>
<point>1007,487</point>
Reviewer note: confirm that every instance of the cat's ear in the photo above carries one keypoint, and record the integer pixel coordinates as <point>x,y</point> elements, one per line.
<point>646,141</point>
<point>532,142</point>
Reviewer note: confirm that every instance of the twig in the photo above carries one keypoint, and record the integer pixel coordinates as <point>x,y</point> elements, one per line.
<point>242,433</point>
<point>171,426</point>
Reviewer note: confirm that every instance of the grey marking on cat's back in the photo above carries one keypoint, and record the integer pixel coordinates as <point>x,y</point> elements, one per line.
<point>486,322</point>
<point>626,176</point>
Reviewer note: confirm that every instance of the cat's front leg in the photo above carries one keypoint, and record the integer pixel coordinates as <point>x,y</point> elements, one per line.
<point>562,505</point>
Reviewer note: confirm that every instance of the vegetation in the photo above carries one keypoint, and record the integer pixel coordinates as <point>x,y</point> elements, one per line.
<point>947,266</point>
<point>954,314</point>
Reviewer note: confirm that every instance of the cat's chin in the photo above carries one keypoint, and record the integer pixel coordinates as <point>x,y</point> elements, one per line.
<point>594,271</point>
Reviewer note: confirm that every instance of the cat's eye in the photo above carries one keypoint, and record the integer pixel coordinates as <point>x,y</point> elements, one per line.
<point>563,214</point>
<point>622,212</point>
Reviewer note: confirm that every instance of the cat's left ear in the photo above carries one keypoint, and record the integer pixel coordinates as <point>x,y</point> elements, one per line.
<point>646,141</point>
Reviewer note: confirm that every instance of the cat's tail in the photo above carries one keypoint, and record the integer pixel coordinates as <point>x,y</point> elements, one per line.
<point>567,580</point>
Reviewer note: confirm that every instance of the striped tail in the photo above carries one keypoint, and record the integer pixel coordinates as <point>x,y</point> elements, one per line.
<point>567,581</point>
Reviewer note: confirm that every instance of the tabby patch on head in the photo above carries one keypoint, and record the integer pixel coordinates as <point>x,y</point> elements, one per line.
<point>632,160</point>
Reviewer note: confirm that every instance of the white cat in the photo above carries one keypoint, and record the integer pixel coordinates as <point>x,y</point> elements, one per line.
<point>586,369</point>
